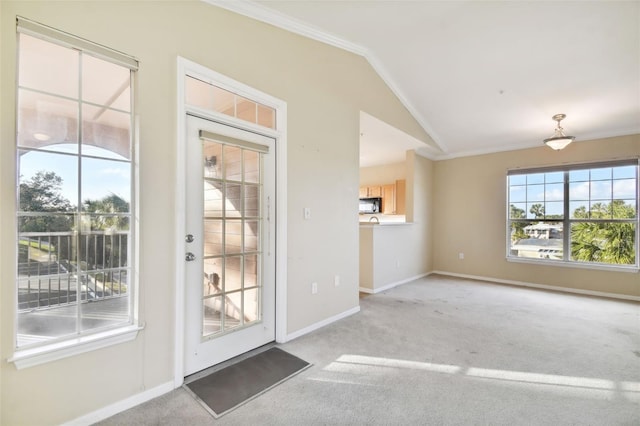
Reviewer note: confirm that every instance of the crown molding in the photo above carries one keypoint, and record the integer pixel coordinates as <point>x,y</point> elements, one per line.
<point>272,17</point>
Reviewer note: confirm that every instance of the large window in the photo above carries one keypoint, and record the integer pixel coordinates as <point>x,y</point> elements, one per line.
<point>75,188</point>
<point>580,214</point>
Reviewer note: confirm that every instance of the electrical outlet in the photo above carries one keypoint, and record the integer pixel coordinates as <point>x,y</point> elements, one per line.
<point>461,256</point>
<point>314,288</point>
<point>336,280</point>
<point>306,213</point>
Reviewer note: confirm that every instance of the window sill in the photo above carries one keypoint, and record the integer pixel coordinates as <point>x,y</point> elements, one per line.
<point>25,358</point>
<point>601,267</point>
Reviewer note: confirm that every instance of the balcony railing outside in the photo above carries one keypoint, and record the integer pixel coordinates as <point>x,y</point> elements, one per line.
<point>60,268</point>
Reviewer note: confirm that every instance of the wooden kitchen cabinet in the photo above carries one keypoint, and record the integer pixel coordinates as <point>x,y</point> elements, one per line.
<point>401,196</point>
<point>389,199</point>
<point>375,191</point>
<point>370,191</point>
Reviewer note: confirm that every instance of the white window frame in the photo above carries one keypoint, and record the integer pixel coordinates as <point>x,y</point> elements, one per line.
<point>80,343</point>
<point>567,221</point>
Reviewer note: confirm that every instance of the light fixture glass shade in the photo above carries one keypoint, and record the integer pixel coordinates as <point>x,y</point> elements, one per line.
<point>559,140</point>
<point>558,143</point>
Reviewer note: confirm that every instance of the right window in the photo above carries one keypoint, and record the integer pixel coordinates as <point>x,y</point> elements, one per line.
<point>580,214</point>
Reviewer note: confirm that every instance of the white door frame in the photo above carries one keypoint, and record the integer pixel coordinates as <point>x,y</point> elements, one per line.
<point>184,68</point>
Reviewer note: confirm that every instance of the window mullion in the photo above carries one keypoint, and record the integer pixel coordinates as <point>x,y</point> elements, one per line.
<point>79,234</point>
<point>566,222</point>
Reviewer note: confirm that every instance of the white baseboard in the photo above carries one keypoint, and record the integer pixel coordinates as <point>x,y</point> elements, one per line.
<point>542,286</point>
<point>322,323</point>
<point>394,284</point>
<point>120,406</point>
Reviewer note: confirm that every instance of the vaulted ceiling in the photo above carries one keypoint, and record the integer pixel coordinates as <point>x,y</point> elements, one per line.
<point>487,76</point>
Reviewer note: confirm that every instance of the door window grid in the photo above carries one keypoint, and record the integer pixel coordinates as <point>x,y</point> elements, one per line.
<point>596,203</point>
<point>74,240</point>
<point>232,255</point>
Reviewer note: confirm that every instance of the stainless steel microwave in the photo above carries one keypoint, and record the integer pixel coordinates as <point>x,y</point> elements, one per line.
<point>370,205</point>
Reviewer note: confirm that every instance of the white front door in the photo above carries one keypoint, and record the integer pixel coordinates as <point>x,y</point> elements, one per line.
<point>230,243</point>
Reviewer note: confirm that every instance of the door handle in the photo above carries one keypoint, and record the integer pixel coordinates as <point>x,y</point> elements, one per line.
<point>190,257</point>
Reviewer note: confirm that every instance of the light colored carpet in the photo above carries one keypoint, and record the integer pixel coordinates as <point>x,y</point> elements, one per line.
<point>443,351</point>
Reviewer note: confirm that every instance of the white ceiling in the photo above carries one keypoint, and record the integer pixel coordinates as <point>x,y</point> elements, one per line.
<point>487,76</point>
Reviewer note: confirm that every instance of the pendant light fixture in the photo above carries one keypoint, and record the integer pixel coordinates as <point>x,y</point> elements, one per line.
<point>559,140</point>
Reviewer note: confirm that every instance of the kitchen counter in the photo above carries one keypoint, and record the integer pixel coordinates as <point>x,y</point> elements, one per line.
<point>372,224</point>
<point>383,219</point>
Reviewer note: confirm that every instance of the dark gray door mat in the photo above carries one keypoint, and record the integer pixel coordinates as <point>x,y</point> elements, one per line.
<point>226,389</point>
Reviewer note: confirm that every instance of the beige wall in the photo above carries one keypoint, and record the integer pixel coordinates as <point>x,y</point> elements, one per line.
<point>389,255</point>
<point>470,215</point>
<point>421,184</point>
<point>383,174</point>
<point>325,89</point>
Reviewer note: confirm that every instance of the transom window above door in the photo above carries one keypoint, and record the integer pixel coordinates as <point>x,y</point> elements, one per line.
<point>210,97</point>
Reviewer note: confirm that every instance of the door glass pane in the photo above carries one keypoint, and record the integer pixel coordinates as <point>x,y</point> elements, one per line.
<point>233,273</point>
<point>233,205</point>
<point>233,237</point>
<point>251,200</point>
<point>212,318</point>
<point>251,271</point>
<point>212,159</point>
<point>212,276</point>
<point>213,199</point>
<point>233,311</point>
<point>251,167</point>
<point>212,237</point>
<point>233,163</point>
<point>251,235</point>
<point>251,305</point>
